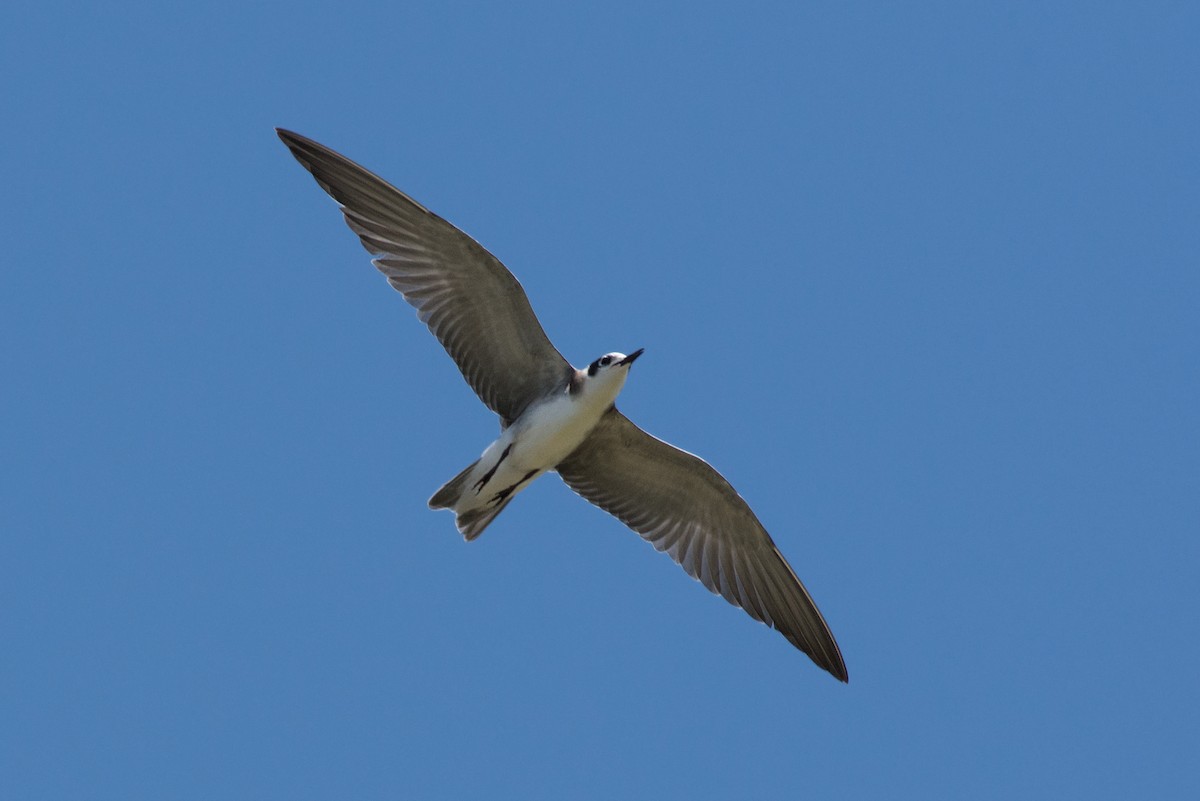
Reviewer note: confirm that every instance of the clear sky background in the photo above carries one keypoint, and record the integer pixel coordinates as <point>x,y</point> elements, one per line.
<point>920,279</point>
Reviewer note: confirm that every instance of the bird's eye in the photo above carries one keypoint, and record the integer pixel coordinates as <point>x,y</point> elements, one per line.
<point>604,361</point>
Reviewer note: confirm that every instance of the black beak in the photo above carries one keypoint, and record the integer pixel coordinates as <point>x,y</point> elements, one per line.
<point>632,357</point>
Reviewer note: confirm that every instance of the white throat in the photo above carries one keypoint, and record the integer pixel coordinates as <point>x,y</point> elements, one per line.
<point>601,389</point>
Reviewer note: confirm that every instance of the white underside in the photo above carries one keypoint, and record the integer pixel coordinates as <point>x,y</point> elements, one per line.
<point>538,440</point>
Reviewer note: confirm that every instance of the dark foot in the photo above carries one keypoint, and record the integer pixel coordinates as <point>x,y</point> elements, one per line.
<point>481,483</point>
<point>504,493</point>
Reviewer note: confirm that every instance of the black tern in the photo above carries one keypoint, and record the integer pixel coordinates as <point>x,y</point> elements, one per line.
<point>554,417</point>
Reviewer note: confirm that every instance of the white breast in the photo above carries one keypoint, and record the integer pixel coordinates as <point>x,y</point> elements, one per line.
<point>547,433</point>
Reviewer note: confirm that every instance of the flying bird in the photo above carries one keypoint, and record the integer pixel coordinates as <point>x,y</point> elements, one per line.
<point>554,417</point>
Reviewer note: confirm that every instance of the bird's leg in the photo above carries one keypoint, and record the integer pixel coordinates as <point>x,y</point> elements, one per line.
<point>481,483</point>
<point>504,493</point>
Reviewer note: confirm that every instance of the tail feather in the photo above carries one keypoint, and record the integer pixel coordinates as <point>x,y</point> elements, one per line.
<point>447,497</point>
<point>472,522</point>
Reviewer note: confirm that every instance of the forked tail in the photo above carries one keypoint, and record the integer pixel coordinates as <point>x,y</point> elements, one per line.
<point>447,497</point>
<point>473,520</point>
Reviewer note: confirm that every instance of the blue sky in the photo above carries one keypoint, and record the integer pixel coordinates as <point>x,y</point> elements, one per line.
<point>919,279</point>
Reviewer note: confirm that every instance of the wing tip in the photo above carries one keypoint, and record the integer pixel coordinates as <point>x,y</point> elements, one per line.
<point>292,139</point>
<point>825,655</point>
<point>288,137</point>
<point>302,148</point>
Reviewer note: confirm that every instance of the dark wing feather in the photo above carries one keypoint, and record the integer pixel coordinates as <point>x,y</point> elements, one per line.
<point>681,505</point>
<point>469,300</point>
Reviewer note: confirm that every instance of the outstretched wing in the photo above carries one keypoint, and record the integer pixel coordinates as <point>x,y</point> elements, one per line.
<point>469,300</point>
<point>681,505</point>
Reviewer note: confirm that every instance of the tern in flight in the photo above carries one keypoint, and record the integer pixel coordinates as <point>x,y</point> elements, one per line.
<point>556,418</point>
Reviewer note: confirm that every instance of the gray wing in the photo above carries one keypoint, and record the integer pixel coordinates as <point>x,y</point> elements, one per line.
<point>681,505</point>
<point>471,303</point>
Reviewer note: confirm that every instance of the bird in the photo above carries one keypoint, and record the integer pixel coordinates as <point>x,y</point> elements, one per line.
<point>556,418</point>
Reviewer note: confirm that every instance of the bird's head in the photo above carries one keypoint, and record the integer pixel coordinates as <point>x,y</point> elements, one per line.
<point>611,369</point>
